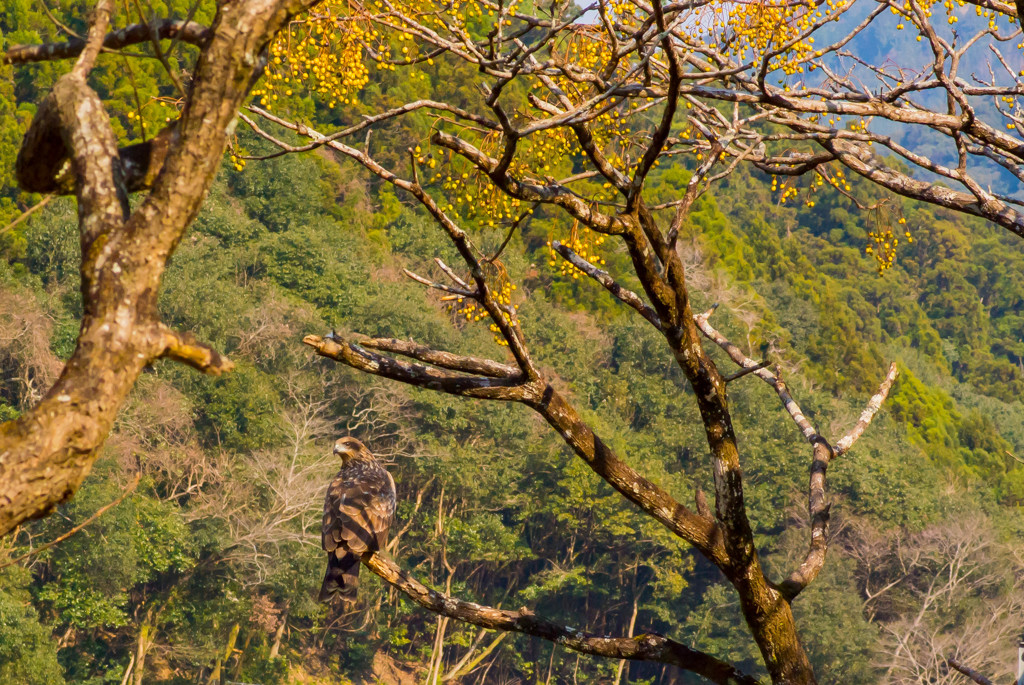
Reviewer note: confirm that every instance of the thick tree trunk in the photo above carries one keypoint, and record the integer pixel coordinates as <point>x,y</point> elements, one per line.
<point>767,612</point>
<point>770,619</point>
<point>222,659</point>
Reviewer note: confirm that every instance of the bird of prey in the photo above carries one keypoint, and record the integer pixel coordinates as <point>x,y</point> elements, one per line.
<point>358,510</point>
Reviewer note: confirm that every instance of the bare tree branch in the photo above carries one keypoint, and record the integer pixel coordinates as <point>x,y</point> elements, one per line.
<point>351,353</point>
<point>874,404</point>
<point>184,348</point>
<point>604,278</point>
<point>955,664</point>
<point>445,360</point>
<point>185,31</point>
<point>645,647</point>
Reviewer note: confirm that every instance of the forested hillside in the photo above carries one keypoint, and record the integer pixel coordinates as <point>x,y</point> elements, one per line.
<point>209,560</point>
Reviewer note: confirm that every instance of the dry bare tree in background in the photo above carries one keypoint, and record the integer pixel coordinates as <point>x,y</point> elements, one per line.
<point>617,87</point>
<point>934,595</point>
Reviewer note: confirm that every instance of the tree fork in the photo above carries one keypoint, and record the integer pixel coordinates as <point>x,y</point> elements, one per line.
<point>47,451</point>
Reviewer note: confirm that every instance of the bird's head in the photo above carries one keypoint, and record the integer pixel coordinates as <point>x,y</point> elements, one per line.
<point>349,448</point>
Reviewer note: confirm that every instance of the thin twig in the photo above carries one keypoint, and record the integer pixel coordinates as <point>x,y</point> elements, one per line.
<point>451,274</point>
<point>461,292</point>
<point>511,231</point>
<point>743,372</point>
<point>27,213</point>
<point>99,512</point>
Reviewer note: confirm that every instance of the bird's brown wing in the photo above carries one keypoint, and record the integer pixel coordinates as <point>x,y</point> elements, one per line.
<point>358,510</point>
<point>384,509</point>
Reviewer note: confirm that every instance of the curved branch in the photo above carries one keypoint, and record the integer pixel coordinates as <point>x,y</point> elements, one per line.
<point>604,278</point>
<point>645,647</point>
<point>70,125</point>
<point>187,32</point>
<point>858,158</point>
<point>351,353</point>
<point>818,506</point>
<point>184,348</point>
<point>445,360</point>
<point>874,404</point>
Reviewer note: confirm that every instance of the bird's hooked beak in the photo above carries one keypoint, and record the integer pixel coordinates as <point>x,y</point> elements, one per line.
<point>344,451</point>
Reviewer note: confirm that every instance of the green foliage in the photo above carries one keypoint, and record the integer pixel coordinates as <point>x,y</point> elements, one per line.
<point>91,586</point>
<point>28,655</point>
<point>969,445</point>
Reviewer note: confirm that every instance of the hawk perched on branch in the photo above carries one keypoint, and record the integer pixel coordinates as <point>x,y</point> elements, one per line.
<point>358,509</point>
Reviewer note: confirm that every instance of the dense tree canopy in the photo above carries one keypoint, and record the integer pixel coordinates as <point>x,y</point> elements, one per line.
<point>529,151</point>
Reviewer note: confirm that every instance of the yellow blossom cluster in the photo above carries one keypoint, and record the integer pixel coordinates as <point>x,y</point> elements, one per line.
<point>584,243</point>
<point>623,9</point>
<point>884,241</point>
<point>321,53</point>
<point>751,29</point>
<point>788,189</point>
<point>504,297</point>
<point>824,174</point>
<point>143,119</point>
<point>541,152</point>
<point>502,287</point>
<point>583,45</point>
<point>472,196</point>
<point>906,13</point>
<point>836,178</point>
<point>449,18</point>
<point>466,309</point>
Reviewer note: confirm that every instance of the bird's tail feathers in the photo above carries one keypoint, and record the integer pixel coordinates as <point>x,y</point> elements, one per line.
<point>341,580</point>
